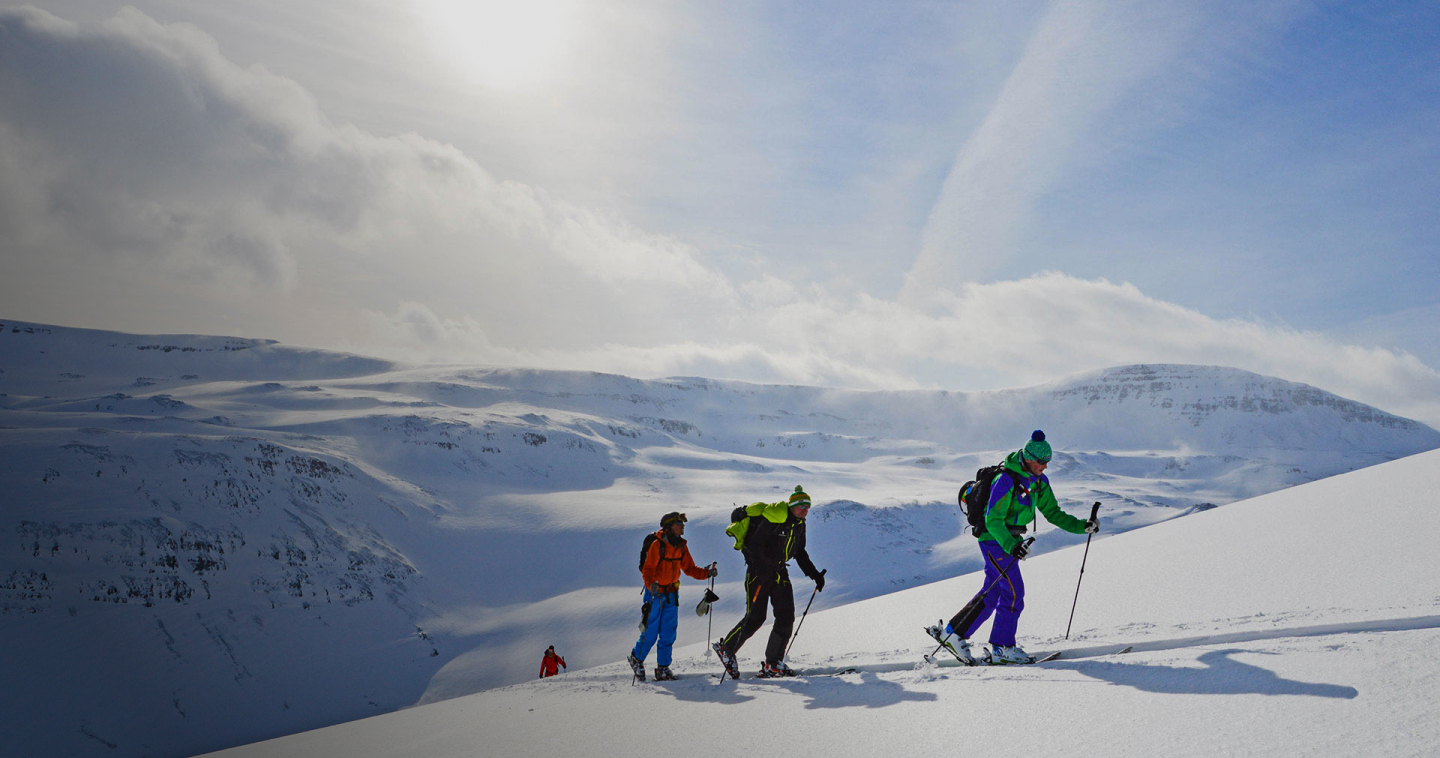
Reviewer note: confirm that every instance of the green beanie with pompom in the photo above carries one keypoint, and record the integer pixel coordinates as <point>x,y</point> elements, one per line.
<point>1037,449</point>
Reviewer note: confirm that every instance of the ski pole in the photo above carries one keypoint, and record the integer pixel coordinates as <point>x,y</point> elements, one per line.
<point>802,616</point>
<point>710,623</point>
<point>1094,513</point>
<point>979,600</point>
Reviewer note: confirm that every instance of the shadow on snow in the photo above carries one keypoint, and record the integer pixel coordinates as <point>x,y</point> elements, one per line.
<point>820,692</point>
<point>1222,675</point>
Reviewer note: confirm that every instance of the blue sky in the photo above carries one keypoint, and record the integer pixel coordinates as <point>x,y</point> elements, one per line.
<point>958,195</point>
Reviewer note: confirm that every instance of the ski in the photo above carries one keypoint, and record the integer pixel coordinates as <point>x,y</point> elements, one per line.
<point>1042,658</point>
<point>1061,653</point>
<point>987,661</point>
<point>800,673</point>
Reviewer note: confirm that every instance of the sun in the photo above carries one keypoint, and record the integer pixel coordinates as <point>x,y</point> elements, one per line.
<point>503,44</point>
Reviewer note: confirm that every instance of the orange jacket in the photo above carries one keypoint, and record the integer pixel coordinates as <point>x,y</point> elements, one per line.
<point>550,665</point>
<point>664,562</point>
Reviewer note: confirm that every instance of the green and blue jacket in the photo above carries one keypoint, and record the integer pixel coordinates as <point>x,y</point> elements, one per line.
<point>1013,507</point>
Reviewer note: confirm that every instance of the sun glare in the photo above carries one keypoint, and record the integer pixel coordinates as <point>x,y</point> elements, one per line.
<point>504,44</point>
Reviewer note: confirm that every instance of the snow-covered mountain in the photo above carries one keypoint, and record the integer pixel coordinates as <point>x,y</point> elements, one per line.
<point>1273,626</point>
<point>249,539</point>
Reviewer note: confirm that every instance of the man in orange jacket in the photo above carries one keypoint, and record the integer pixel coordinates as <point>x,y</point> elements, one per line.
<point>551,664</point>
<point>664,559</point>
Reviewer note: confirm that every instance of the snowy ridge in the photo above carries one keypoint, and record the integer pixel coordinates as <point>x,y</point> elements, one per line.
<point>257,539</point>
<point>1245,635</point>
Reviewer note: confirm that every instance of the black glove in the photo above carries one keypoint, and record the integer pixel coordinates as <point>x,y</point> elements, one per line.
<point>1092,526</point>
<point>713,572</point>
<point>820,581</point>
<point>1020,550</point>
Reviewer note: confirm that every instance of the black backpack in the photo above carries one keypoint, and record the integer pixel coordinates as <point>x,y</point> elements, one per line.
<point>645,548</point>
<point>975,496</point>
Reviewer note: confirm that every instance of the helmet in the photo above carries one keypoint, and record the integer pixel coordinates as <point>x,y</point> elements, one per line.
<point>670,518</point>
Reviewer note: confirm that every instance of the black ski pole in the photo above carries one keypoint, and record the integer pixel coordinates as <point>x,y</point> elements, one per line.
<point>802,616</point>
<point>1094,513</point>
<point>977,602</point>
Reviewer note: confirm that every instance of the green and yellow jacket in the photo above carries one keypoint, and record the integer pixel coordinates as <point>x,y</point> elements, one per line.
<point>769,536</point>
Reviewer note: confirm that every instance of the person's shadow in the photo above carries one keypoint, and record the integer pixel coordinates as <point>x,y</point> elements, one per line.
<point>1222,675</point>
<point>821,691</point>
<point>835,692</point>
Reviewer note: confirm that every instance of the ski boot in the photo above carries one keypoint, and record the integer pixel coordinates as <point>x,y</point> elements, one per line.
<point>770,670</point>
<point>960,648</point>
<point>727,660</point>
<point>662,674</point>
<point>636,665</point>
<point>783,669</point>
<point>1001,655</point>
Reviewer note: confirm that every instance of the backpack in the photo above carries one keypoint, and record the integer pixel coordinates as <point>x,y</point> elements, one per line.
<point>975,496</point>
<point>645,549</point>
<point>740,519</point>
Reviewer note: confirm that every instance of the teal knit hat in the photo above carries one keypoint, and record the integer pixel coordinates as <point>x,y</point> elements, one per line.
<point>1037,449</point>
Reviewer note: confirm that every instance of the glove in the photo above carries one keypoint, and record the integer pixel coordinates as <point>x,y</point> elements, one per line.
<point>1020,550</point>
<point>713,572</point>
<point>820,581</point>
<point>1092,526</point>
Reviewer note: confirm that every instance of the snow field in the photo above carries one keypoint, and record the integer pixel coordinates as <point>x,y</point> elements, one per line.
<point>1323,632</point>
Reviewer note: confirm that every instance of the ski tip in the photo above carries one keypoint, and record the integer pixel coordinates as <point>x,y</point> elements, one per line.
<point>1050,657</point>
<point>1127,649</point>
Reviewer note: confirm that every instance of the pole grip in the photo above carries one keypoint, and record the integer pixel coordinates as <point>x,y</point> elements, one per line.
<point>1094,510</point>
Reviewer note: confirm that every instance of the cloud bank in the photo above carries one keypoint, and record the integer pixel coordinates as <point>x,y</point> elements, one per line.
<point>139,165</point>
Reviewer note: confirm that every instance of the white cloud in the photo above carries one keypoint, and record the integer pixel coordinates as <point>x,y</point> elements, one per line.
<point>1018,332</point>
<point>140,142</point>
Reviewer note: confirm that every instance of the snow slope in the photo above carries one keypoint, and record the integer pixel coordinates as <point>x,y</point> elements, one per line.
<point>251,540</point>
<point>1301,622</point>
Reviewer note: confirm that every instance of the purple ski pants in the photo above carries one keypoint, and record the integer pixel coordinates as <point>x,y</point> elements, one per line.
<point>1005,598</point>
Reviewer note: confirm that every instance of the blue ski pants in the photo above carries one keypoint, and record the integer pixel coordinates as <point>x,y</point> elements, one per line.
<point>660,626</point>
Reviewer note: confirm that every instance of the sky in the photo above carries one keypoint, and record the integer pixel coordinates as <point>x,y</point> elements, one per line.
<point>967,195</point>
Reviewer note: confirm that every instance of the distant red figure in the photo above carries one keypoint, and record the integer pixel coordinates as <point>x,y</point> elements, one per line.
<point>551,664</point>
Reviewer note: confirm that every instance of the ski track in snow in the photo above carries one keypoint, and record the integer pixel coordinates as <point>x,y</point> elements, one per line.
<point>252,540</point>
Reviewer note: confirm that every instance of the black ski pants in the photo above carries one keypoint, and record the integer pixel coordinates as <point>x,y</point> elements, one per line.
<point>761,588</point>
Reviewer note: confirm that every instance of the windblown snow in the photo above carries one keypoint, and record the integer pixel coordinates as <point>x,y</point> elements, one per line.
<point>247,540</point>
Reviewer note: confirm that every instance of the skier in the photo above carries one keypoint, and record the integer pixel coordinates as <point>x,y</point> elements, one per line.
<point>666,556</point>
<point>1015,494</point>
<point>771,539</point>
<point>551,664</point>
